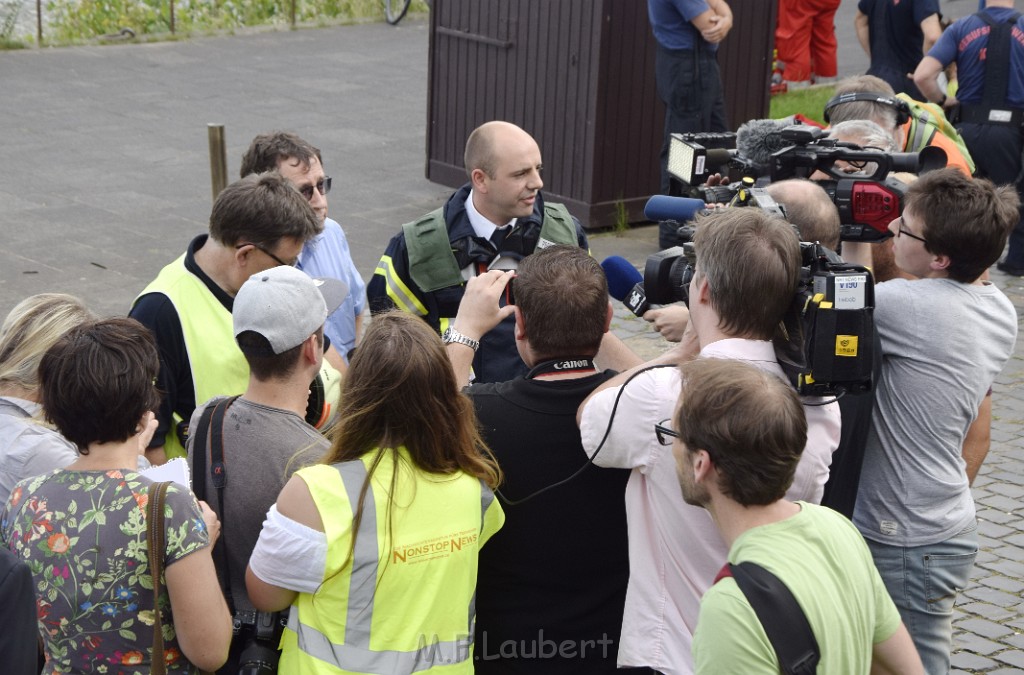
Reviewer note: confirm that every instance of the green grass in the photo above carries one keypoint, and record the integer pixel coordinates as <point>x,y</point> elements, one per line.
<point>810,102</point>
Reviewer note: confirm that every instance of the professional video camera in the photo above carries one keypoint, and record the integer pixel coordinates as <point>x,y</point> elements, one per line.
<point>827,345</point>
<point>772,150</point>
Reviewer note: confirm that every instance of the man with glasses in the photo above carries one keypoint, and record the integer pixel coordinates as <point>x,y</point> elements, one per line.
<point>745,280</point>
<point>738,435</point>
<point>326,255</point>
<point>945,336</point>
<point>256,223</point>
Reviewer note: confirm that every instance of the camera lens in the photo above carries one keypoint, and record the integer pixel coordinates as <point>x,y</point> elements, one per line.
<point>258,658</point>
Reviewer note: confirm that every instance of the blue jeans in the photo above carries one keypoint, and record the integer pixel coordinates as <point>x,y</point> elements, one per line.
<point>924,581</point>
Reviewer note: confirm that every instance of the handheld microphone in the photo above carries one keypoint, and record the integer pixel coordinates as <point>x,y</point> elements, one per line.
<point>758,140</point>
<point>625,283</point>
<point>682,209</point>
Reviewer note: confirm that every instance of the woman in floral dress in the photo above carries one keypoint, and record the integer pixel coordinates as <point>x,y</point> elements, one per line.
<point>82,530</point>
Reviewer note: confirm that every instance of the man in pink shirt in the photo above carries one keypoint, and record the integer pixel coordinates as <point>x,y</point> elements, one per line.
<point>745,279</point>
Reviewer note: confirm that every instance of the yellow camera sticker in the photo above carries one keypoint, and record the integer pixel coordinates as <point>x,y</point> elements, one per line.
<point>846,345</point>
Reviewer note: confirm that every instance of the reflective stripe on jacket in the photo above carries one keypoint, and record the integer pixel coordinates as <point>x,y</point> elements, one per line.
<point>405,602</point>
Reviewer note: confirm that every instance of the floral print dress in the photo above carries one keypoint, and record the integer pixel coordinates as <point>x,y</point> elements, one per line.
<point>83,535</point>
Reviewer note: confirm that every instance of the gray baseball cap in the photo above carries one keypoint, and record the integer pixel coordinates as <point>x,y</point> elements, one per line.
<point>285,305</point>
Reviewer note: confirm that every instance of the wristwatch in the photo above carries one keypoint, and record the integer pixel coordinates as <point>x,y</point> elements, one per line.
<point>451,335</point>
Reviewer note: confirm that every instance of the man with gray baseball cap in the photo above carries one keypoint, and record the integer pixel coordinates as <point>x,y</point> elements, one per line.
<point>263,436</point>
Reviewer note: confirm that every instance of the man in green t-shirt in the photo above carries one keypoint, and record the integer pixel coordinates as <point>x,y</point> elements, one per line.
<point>738,436</point>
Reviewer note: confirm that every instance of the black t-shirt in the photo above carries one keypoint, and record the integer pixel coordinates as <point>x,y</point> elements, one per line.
<point>898,48</point>
<point>557,571</point>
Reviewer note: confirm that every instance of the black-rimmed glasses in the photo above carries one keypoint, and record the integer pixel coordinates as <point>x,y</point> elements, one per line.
<point>323,186</point>
<point>265,250</point>
<point>664,433</point>
<point>901,231</point>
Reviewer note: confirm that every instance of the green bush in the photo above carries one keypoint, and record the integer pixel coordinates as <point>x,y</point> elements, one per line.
<point>71,21</point>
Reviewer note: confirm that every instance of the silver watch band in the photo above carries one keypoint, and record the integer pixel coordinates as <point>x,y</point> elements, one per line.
<point>452,335</point>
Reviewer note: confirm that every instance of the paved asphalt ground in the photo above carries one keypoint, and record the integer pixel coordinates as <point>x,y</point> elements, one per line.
<point>105,178</point>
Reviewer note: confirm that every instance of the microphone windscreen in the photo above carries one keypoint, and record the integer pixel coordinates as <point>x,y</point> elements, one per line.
<point>622,276</point>
<point>757,140</point>
<point>663,207</point>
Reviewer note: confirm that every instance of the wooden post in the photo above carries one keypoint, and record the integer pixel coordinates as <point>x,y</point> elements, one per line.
<point>39,23</point>
<point>218,158</point>
<point>172,17</point>
<point>293,13</point>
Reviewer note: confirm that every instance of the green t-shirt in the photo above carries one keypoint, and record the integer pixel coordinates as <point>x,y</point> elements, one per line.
<point>823,560</point>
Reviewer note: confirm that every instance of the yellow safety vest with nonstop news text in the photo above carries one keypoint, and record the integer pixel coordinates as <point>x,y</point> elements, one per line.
<point>406,601</point>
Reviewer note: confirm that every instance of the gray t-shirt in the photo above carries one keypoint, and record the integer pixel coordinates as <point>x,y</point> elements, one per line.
<point>943,343</point>
<point>263,447</point>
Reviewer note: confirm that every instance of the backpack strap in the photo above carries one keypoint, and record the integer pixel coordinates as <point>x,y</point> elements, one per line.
<point>558,227</point>
<point>783,620</point>
<point>997,60</point>
<point>432,265</point>
<point>209,437</point>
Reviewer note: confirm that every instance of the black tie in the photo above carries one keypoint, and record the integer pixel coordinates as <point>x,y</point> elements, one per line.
<point>498,238</point>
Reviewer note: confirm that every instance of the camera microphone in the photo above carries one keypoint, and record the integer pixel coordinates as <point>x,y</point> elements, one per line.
<point>625,283</point>
<point>681,209</point>
<point>758,140</point>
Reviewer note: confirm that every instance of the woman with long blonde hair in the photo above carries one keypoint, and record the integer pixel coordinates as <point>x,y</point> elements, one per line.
<point>27,447</point>
<point>375,550</point>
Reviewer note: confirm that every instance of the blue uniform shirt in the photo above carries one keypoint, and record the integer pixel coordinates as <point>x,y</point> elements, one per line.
<point>328,255</point>
<point>670,22</point>
<point>964,43</point>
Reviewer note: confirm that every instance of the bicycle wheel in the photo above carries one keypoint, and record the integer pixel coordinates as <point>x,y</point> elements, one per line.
<point>394,10</point>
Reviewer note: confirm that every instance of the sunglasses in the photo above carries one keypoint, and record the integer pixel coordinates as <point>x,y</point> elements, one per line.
<point>323,186</point>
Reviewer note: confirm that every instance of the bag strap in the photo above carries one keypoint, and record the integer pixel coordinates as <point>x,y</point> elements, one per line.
<point>156,542</point>
<point>209,438</point>
<point>783,620</point>
<point>199,447</point>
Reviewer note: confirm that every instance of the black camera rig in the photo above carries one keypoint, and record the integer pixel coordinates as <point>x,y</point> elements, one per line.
<point>867,201</point>
<point>825,343</point>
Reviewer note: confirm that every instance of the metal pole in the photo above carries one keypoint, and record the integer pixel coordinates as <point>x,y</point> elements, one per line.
<point>218,158</point>
<point>39,23</point>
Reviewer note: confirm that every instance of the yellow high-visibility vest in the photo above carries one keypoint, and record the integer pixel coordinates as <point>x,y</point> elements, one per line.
<point>218,366</point>
<point>405,601</point>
